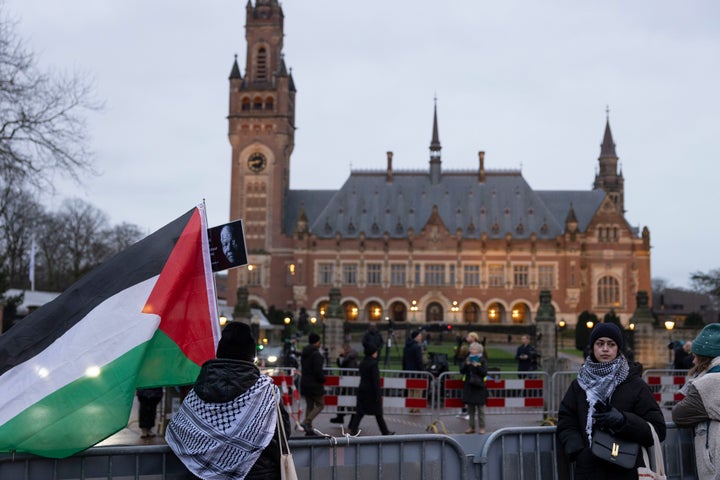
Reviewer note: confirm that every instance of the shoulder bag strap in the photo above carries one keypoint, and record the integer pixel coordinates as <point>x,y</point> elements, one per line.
<point>657,453</point>
<point>282,438</point>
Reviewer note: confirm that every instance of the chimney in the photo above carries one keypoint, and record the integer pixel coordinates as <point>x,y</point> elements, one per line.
<point>481,173</point>
<point>389,176</point>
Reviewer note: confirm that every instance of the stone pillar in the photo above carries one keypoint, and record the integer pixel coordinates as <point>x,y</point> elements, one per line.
<point>548,334</point>
<point>650,347</point>
<point>333,324</point>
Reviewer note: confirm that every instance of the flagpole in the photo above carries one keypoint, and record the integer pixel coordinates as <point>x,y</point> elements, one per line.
<point>32,263</point>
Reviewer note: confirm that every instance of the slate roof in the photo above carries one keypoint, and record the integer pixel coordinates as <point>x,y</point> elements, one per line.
<point>503,203</point>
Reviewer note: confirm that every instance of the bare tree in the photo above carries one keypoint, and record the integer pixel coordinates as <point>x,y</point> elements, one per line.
<point>17,221</point>
<point>120,237</point>
<point>42,125</point>
<point>706,282</point>
<point>83,226</point>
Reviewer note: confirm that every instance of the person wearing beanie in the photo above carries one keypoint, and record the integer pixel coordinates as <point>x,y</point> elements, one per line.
<point>412,360</point>
<point>232,388</point>
<point>369,393</point>
<point>608,394</point>
<point>700,408</point>
<point>312,379</point>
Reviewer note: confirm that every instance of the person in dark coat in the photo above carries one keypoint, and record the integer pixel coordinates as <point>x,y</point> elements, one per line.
<point>412,361</point>
<point>475,396</point>
<point>369,394</point>
<point>348,358</point>
<point>312,379</point>
<point>609,394</point>
<point>148,399</point>
<point>526,355</point>
<point>231,399</point>
<point>373,338</point>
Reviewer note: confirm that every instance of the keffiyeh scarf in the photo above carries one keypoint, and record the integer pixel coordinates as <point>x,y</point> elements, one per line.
<point>599,381</point>
<point>217,441</point>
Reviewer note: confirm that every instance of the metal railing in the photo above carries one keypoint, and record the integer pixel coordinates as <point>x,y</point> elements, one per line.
<point>416,457</point>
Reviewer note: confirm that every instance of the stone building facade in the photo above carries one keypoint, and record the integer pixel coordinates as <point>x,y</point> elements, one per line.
<point>474,246</point>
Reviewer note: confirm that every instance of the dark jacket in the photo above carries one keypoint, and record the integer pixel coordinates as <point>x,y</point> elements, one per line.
<point>373,338</point>
<point>412,356</point>
<point>473,394</point>
<point>526,364</point>
<point>220,381</point>
<point>312,376</point>
<point>369,393</point>
<point>635,400</point>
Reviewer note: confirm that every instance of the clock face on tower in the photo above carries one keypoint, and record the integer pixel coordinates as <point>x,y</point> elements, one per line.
<point>257,162</point>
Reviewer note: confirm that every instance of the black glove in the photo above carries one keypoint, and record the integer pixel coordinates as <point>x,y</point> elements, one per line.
<point>612,419</point>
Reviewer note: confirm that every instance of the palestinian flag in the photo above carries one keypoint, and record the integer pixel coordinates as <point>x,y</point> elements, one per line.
<point>146,317</point>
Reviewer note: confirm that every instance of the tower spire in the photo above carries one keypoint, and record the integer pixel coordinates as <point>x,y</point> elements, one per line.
<point>608,177</point>
<point>435,149</point>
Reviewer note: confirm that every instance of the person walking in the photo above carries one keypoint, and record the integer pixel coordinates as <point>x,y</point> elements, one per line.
<point>475,393</point>
<point>148,399</point>
<point>412,361</point>
<point>700,408</point>
<point>312,379</point>
<point>348,358</point>
<point>227,425</point>
<point>369,394</point>
<point>608,394</point>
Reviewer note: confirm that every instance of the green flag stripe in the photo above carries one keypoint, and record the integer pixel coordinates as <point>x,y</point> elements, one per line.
<point>78,415</point>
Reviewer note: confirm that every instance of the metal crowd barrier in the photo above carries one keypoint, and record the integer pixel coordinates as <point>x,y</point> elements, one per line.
<point>507,394</point>
<point>424,457</point>
<point>531,453</point>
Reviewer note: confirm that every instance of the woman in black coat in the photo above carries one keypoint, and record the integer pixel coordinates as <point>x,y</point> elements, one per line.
<point>609,394</point>
<point>475,395</point>
<point>369,393</point>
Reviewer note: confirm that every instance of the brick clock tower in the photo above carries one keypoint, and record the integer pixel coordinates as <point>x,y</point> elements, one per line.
<point>261,130</point>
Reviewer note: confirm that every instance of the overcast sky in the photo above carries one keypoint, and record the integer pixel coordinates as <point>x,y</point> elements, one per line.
<point>526,81</point>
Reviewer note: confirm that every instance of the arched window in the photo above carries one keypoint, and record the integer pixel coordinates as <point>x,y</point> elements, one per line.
<point>351,311</point>
<point>257,103</point>
<point>608,291</point>
<point>471,313</point>
<point>374,312</point>
<point>399,311</point>
<point>261,69</point>
<point>269,103</point>
<point>246,103</point>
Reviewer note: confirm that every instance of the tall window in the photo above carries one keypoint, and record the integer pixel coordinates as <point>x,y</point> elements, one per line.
<point>521,276</point>
<point>471,277</point>
<point>435,274</point>
<point>254,273</point>
<point>546,276</point>
<point>397,275</point>
<point>496,275</point>
<point>608,291</point>
<point>374,273</point>
<point>418,278</point>
<point>261,65</point>
<point>349,274</point>
<point>325,273</point>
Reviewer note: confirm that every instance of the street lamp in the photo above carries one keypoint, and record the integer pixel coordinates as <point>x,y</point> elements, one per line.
<point>223,320</point>
<point>589,324</point>
<point>669,325</point>
<point>455,308</point>
<point>561,327</point>
<point>413,308</point>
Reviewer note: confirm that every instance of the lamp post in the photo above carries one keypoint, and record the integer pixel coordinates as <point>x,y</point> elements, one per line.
<point>455,308</point>
<point>669,325</point>
<point>287,320</point>
<point>561,328</point>
<point>413,308</point>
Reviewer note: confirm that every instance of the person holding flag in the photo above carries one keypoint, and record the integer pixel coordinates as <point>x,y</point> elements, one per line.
<point>227,425</point>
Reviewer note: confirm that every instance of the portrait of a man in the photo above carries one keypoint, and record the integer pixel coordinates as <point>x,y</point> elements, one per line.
<point>227,246</point>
